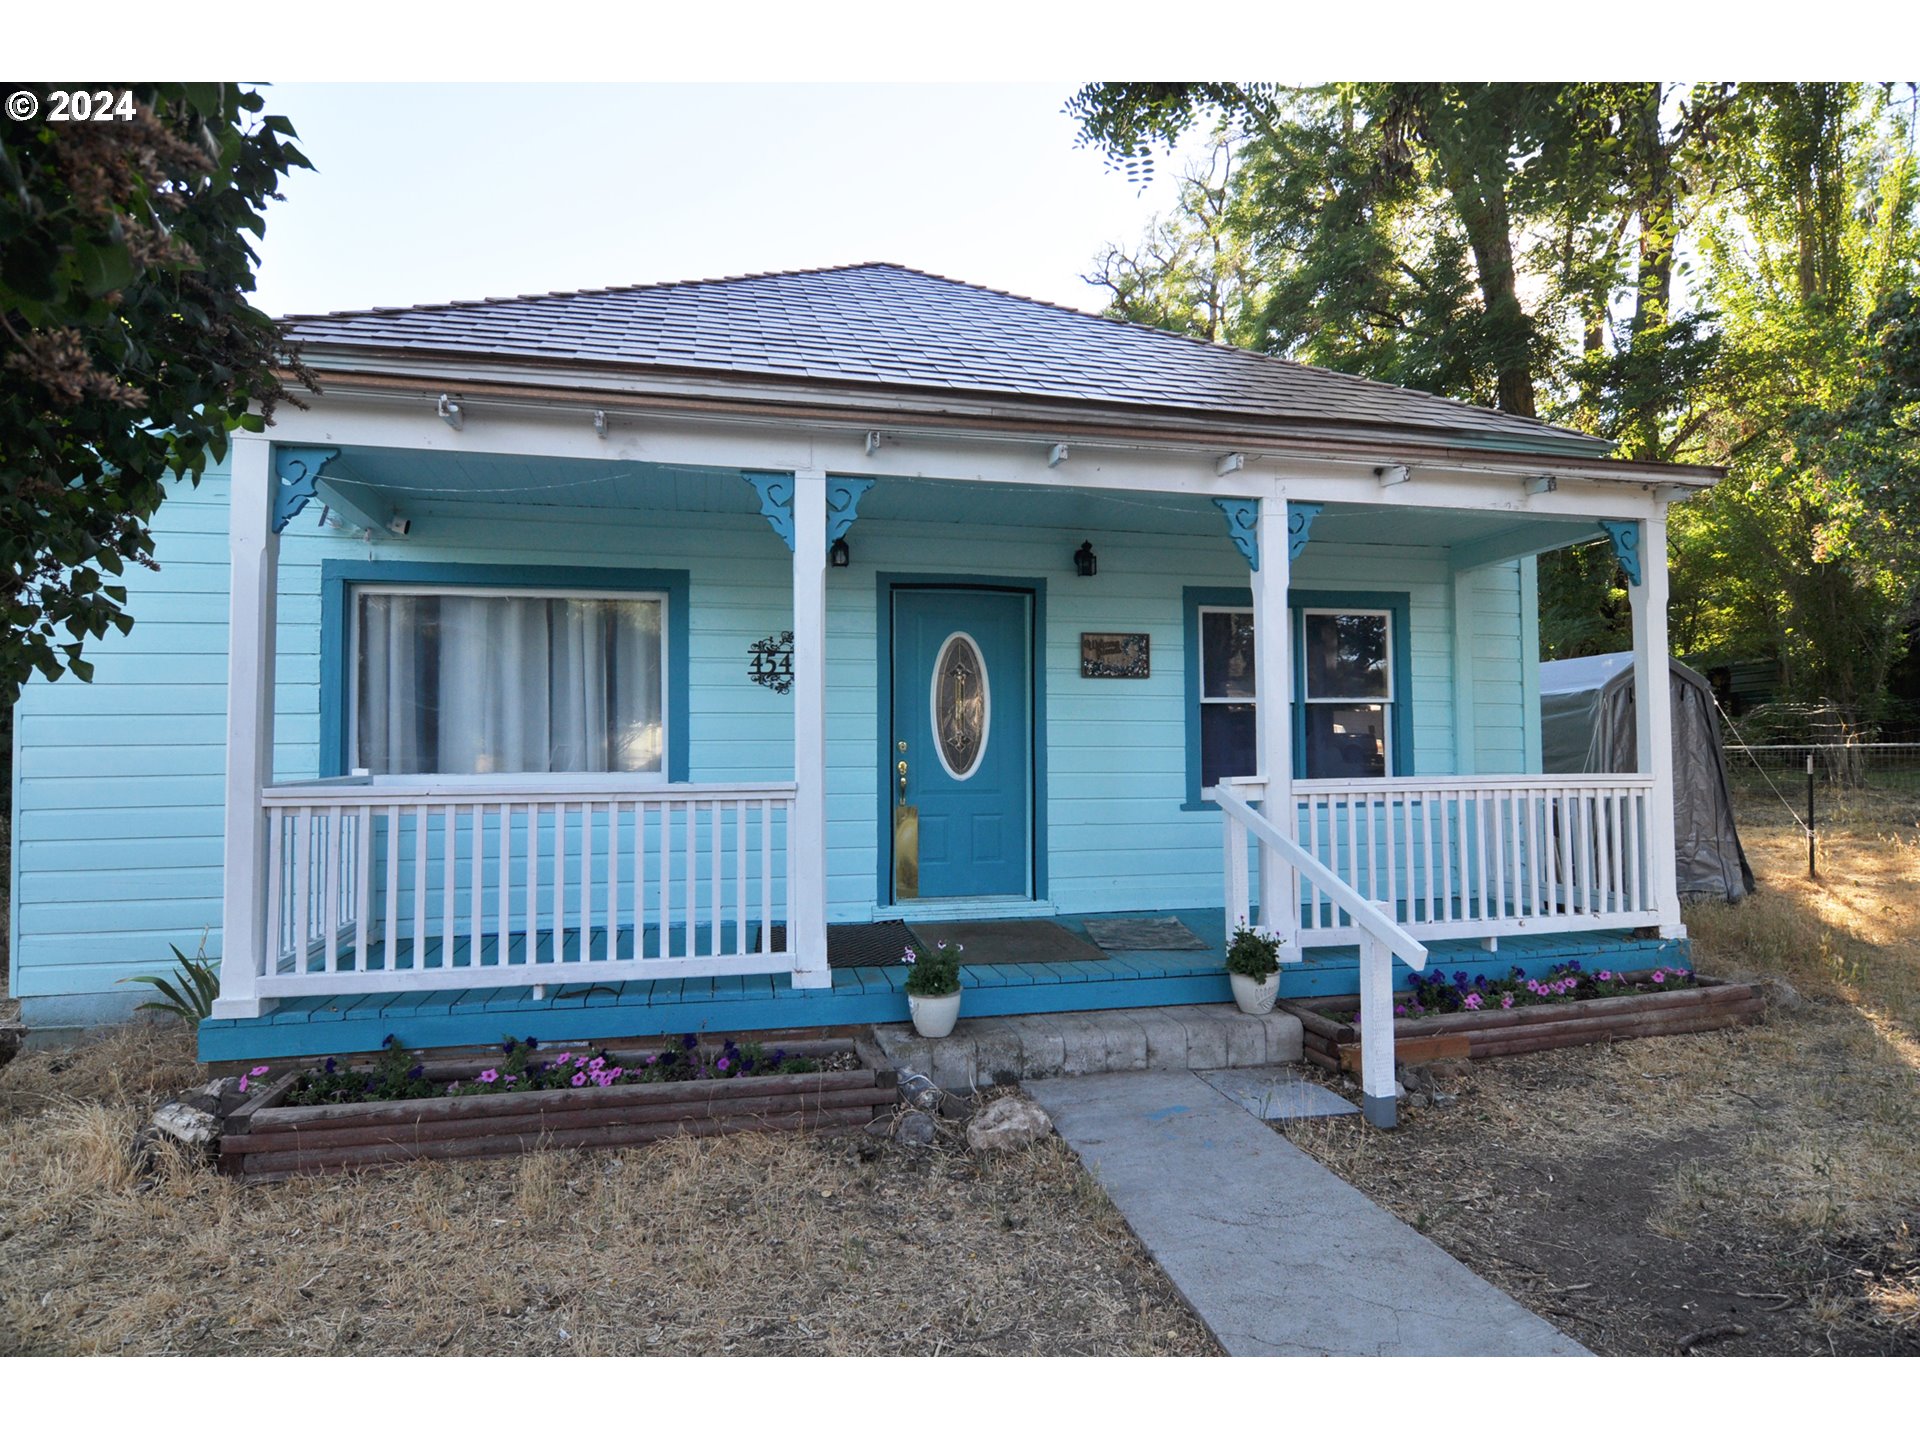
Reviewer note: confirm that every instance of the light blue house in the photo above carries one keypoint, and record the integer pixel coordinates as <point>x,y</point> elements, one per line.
<point>579,665</point>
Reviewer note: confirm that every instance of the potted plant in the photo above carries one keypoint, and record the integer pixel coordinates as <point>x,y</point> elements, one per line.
<point>933,988</point>
<point>1253,968</point>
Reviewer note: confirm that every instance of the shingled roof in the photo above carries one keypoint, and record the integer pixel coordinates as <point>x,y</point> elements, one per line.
<point>886,325</point>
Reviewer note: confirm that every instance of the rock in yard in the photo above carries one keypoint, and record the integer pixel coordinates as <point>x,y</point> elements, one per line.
<point>187,1124</point>
<point>1009,1123</point>
<point>919,1091</point>
<point>1782,996</point>
<point>219,1098</point>
<point>915,1128</point>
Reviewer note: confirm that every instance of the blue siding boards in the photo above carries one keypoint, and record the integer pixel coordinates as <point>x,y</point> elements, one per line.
<point>118,784</point>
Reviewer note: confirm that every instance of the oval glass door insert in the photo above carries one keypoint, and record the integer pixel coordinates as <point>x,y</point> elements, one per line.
<point>962,705</point>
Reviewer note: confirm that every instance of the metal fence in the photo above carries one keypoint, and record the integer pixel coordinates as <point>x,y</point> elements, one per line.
<point>1879,765</point>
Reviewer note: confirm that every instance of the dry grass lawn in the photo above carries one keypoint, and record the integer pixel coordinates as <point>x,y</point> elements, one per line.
<point>747,1244</point>
<point>1767,1178</point>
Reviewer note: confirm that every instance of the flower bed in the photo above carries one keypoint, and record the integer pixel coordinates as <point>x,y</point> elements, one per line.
<point>404,1108</point>
<point>1462,1016</point>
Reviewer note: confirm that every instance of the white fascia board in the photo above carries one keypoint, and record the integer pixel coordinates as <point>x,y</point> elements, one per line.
<point>538,428</point>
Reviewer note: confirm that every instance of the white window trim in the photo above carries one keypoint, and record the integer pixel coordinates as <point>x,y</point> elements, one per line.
<point>1385,702</point>
<point>506,592</point>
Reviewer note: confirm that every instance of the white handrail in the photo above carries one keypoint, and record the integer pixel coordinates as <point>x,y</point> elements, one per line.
<point>1368,916</point>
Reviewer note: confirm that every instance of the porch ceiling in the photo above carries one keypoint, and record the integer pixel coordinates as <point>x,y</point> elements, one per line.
<point>423,482</point>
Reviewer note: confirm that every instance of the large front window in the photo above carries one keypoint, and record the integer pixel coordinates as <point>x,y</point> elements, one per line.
<point>480,682</point>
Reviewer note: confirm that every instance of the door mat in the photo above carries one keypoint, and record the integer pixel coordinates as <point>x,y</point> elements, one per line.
<point>1007,942</point>
<point>1166,934</point>
<point>849,945</point>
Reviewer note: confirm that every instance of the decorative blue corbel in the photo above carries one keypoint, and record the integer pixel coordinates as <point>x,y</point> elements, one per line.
<point>776,500</point>
<point>1300,517</point>
<point>297,469</point>
<point>843,500</point>
<point>1625,535</point>
<point>1242,517</point>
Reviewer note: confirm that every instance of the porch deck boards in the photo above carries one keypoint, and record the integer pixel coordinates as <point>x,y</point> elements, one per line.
<point>579,1009</point>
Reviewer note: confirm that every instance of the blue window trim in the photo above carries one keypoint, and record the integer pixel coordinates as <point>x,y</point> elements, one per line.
<point>885,584</point>
<point>1194,598</point>
<point>338,577</point>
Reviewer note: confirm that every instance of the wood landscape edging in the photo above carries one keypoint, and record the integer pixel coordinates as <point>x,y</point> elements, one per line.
<point>265,1137</point>
<point>1707,1005</point>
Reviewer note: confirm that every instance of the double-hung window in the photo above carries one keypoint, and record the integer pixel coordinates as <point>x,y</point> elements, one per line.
<point>1226,694</point>
<point>1346,703</point>
<point>506,682</point>
<point>1348,679</point>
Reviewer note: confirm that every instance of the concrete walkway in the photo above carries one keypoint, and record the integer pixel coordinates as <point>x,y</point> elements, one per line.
<point>1276,1255</point>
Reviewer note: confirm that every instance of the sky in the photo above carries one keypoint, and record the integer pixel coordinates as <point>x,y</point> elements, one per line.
<point>434,192</point>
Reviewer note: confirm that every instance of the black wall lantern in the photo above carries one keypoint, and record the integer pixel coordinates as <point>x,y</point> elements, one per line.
<point>840,556</point>
<point>1085,561</point>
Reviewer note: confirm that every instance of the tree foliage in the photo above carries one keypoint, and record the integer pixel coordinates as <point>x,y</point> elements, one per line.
<point>130,347</point>
<point>1714,272</point>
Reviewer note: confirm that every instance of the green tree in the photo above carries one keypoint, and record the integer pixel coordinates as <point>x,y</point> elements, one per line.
<point>1813,254</point>
<point>130,348</point>
<point>1691,271</point>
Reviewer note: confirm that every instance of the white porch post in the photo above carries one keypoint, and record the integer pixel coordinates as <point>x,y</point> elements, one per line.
<point>807,827</point>
<point>1653,717</point>
<point>254,556</point>
<point>1273,713</point>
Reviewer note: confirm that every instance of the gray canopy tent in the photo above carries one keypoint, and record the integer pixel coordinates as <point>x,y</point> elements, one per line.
<point>1587,727</point>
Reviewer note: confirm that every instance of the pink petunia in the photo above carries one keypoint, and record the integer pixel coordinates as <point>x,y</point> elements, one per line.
<point>1506,1002</point>
<point>1659,977</point>
<point>487,1077</point>
<point>563,1057</point>
<point>257,1071</point>
<point>615,1073</point>
<point>580,1078</point>
<point>1606,974</point>
<point>596,1063</point>
<point>243,1084</point>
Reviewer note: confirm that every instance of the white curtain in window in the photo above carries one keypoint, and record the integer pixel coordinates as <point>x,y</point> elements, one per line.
<point>473,684</point>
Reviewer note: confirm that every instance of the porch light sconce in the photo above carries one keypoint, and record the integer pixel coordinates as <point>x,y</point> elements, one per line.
<point>1541,484</point>
<point>1056,457</point>
<point>839,556</point>
<point>1085,563</point>
<point>449,410</point>
<point>1391,474</point>
<point>1227,464</point>
<point>600,423</point>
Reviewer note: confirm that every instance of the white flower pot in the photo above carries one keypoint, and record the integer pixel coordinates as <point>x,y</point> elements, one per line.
<point>1254,997</point>
<point>933,1015</point>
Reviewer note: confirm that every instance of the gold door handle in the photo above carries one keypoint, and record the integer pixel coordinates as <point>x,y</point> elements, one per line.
<point>902,767</point>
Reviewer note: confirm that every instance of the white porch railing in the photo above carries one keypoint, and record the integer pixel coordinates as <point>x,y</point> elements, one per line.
<point>437,886</point>
<point>1479,855</point>
<point>1380,938</point>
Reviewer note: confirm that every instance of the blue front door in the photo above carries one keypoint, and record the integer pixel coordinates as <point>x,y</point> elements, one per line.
<point>963,728</point>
